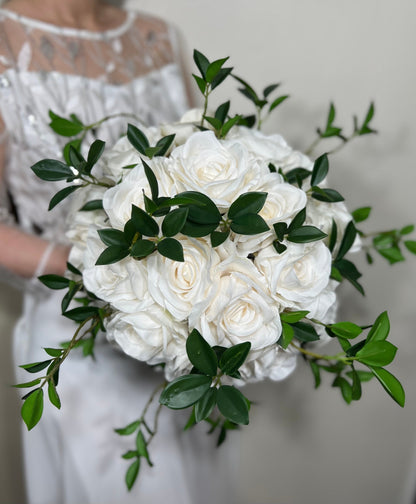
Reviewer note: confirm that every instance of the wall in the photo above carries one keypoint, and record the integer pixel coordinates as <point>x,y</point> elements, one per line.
<point>305,445</point>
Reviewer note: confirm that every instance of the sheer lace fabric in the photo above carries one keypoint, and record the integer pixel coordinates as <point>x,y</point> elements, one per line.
<point>131,69</point>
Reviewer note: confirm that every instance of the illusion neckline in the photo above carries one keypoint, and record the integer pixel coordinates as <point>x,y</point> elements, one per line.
<point>72,32</point>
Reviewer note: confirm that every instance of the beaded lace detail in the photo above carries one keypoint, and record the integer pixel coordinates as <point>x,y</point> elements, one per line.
<point>130,69</point>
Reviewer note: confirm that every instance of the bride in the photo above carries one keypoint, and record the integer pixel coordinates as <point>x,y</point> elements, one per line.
<point>92,59</point>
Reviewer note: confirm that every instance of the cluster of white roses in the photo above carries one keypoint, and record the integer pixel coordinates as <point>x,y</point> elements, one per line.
<point>232,293</point>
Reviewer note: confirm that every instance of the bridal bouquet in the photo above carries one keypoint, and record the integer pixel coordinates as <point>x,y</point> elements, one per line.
<point>214,252</point>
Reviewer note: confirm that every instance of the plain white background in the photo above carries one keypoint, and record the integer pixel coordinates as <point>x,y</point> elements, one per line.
<point>305,445</point>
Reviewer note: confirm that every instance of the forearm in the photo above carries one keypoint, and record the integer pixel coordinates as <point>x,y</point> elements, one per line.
<point>22,253</point>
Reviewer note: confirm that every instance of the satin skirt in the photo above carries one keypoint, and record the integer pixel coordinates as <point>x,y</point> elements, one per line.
<point>73,456</point>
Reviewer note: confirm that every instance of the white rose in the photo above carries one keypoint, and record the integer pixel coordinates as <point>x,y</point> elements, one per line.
<point>297,275</point>
<point>123,284</point>
<point>179,286</point>
<point>241,309</point>
<point>78,223</point>
<point>220,169</point>
<point>283,202</point>
<point>117,200</point>
<point>272,362</point>
<point>147,334</point>
<point>321,214</point>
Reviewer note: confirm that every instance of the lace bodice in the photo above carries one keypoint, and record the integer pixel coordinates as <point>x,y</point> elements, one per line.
<point>132,69</point>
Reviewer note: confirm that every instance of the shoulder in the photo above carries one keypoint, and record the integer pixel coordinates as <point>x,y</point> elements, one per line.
<point>155,35</point>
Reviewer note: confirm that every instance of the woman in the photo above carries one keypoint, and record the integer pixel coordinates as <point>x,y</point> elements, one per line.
<point>92,59</point>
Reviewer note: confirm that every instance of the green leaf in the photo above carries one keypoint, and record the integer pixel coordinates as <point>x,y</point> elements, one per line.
<point>316,373</point>
<point>111,255</point>
<point>348,270</point>
<point>95,152</point>
<point>234,357</point>
<point>287,335</point>
<point>203,211</point>
<point>390,384</point>
<point>75,144</point>
<point>200,82</point>
<point>392,254</point>
<point>201,62</point>
<point>205,405</point>
<point>411,246</point>
<point>28,384</point>
<point>191,421</point>
<point>54,281</point>
<point>129,429</point>
<point>32,408</point>
<point>171,248</point>
<point>356,386</point>
<point>333,236</point>
<point>220,77</point>
<point>269,89</point>
<point>92,205</point>
<point>361,214</point>
<point>76,159</point>
<point>174,221</point>
<point>249,224</point>
<point>61,195</point>
<point>163,144</point>
<point>305,332</point>
<point>247,203</point>
<point>201,355</point>
<point>141,446</point>
<point>380,329</point>
<point>35,367</point>
<point>326,195</point>
<point>277,102</point>
<point>407,229</point>
<point>292,317</point>
<point>185,391</point>
<point>233,405</point>
<point>377,353</point>
<point>198,230</point>
<point>73,289</point>
<point>142,248</point>
<point>130,454</point>
<point>297,175</point>
<point>52,170</point>
<point>214,68</point>
<point>229,124</point>
<point>364,376</point>
<point>73,269</point>
<point>110,236</point>
<point>346,389</point>
<point>82,313</point>
<point>53,395</point>
<point>306,234</point>
<point>137,138</point>
<point>297,221</point>
<point>347,240</point>
<point>320,170</point>
<point>222,111</point>
<point>219,237</point>
<point>215,123</point>
<point>279,247</point>
<point>353,350</point>
<point>131,474</point>
<point>280,229</point>
<point>64,127</point>
<point>144,223</point>
<point>346,330</point>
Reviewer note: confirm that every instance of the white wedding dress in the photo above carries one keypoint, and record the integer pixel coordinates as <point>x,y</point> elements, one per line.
<point>73,455</point>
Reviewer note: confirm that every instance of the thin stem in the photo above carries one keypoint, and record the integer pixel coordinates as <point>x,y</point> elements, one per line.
<point>338,356</point>
<point>206,94</point>
<point>313,145</point>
